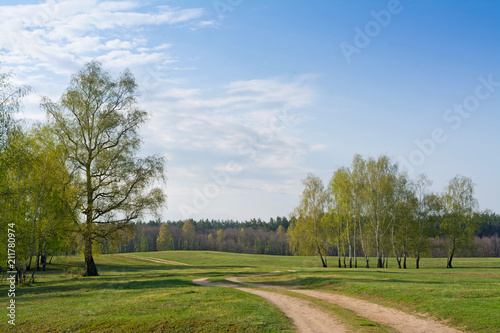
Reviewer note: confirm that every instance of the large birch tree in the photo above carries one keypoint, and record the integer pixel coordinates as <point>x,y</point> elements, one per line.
<point>97,121</point>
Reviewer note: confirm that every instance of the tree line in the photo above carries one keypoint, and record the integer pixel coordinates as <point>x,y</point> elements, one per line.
<point>372,208</point>
<point>254,237</point>
<point>269,237</point>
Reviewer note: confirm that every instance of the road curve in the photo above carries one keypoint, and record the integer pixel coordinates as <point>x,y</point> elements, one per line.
<point>305,317</point>
<point>401,321</point>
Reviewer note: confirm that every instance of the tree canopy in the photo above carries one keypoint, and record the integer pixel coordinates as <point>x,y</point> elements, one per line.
<point>97,121</point>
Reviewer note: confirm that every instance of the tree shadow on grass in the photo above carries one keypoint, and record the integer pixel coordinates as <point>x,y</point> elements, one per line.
<point>99,284</point>
<point>300,282</point>
<point>135,278</point>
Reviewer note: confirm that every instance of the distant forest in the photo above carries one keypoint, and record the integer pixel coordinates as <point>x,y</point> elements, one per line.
<point>264,237</point>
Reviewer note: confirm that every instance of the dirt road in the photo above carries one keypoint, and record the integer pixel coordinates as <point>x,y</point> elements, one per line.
<point>305,317</point>
<point>308,318</point>
<point>401,321</point>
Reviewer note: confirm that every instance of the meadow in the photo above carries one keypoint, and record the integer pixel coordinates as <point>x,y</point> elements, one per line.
<point>137,295</point>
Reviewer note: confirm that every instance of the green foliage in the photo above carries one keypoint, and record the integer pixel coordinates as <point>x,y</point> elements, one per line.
<point>165,241</point>
<point>488,223</point>
<point>37,198</point>
<point>458,204</point>
<point>97,122</point>
<point>341,217</point>
<point>308,235</point>
<point>10,103</point>
<point>373,205</point>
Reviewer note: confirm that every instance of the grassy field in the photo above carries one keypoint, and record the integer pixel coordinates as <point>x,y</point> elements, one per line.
<point>132,294</point>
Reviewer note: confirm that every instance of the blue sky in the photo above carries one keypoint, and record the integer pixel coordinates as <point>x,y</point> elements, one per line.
<point>247,97</point>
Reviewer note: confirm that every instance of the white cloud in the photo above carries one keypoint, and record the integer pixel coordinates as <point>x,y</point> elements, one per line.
<point>61,35</point>
<point>318,147</point>
<point>250,123</point>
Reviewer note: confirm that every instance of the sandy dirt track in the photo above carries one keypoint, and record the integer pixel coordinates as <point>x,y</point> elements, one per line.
<point>157,260</point>
<point>308,318</point>
<point>401,321</point>
<point>305,317</point>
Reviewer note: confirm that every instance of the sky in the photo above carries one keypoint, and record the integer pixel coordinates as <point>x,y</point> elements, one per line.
<point>248,97</point>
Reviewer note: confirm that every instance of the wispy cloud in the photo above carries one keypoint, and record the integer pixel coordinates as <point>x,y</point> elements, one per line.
<point>61,35</point>
<point>253,123</point>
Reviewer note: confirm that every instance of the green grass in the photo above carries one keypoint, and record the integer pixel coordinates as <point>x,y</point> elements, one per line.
<point>347,317</point>
<point>132,295</point>
<point>467,296</point>
<point>136,295</point>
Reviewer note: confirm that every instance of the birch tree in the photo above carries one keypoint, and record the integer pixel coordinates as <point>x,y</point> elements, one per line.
<point>381,175</point>
<point>37,186</point>
<point>359,193</point>
<point>11,98</point>
<point>424,207</point>
<point>97,121</point>
<point>340,190</point>
<point>165,240</point>
<point>457,225</point>
<point>308,235</point>
<point>405,207</point>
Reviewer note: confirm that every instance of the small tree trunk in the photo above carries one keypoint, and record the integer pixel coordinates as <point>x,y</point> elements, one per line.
<point>18,275</point>
<point>338,254</point>
<point>398,260</point>
<point>404,261</point>
<point>354,249</point>
<point>37,262</point>
<point>90,267</point>
<point>350,250</point>
<point>448,263</point>
<point>418,254</point>
<point>323,260</point>
<point>44,257</point>
<point>32,279</point>
<point>380,264</point>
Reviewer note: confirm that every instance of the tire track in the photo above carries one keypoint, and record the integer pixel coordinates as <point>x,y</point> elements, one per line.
<point>399,320</point>
<point>305,317</point>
